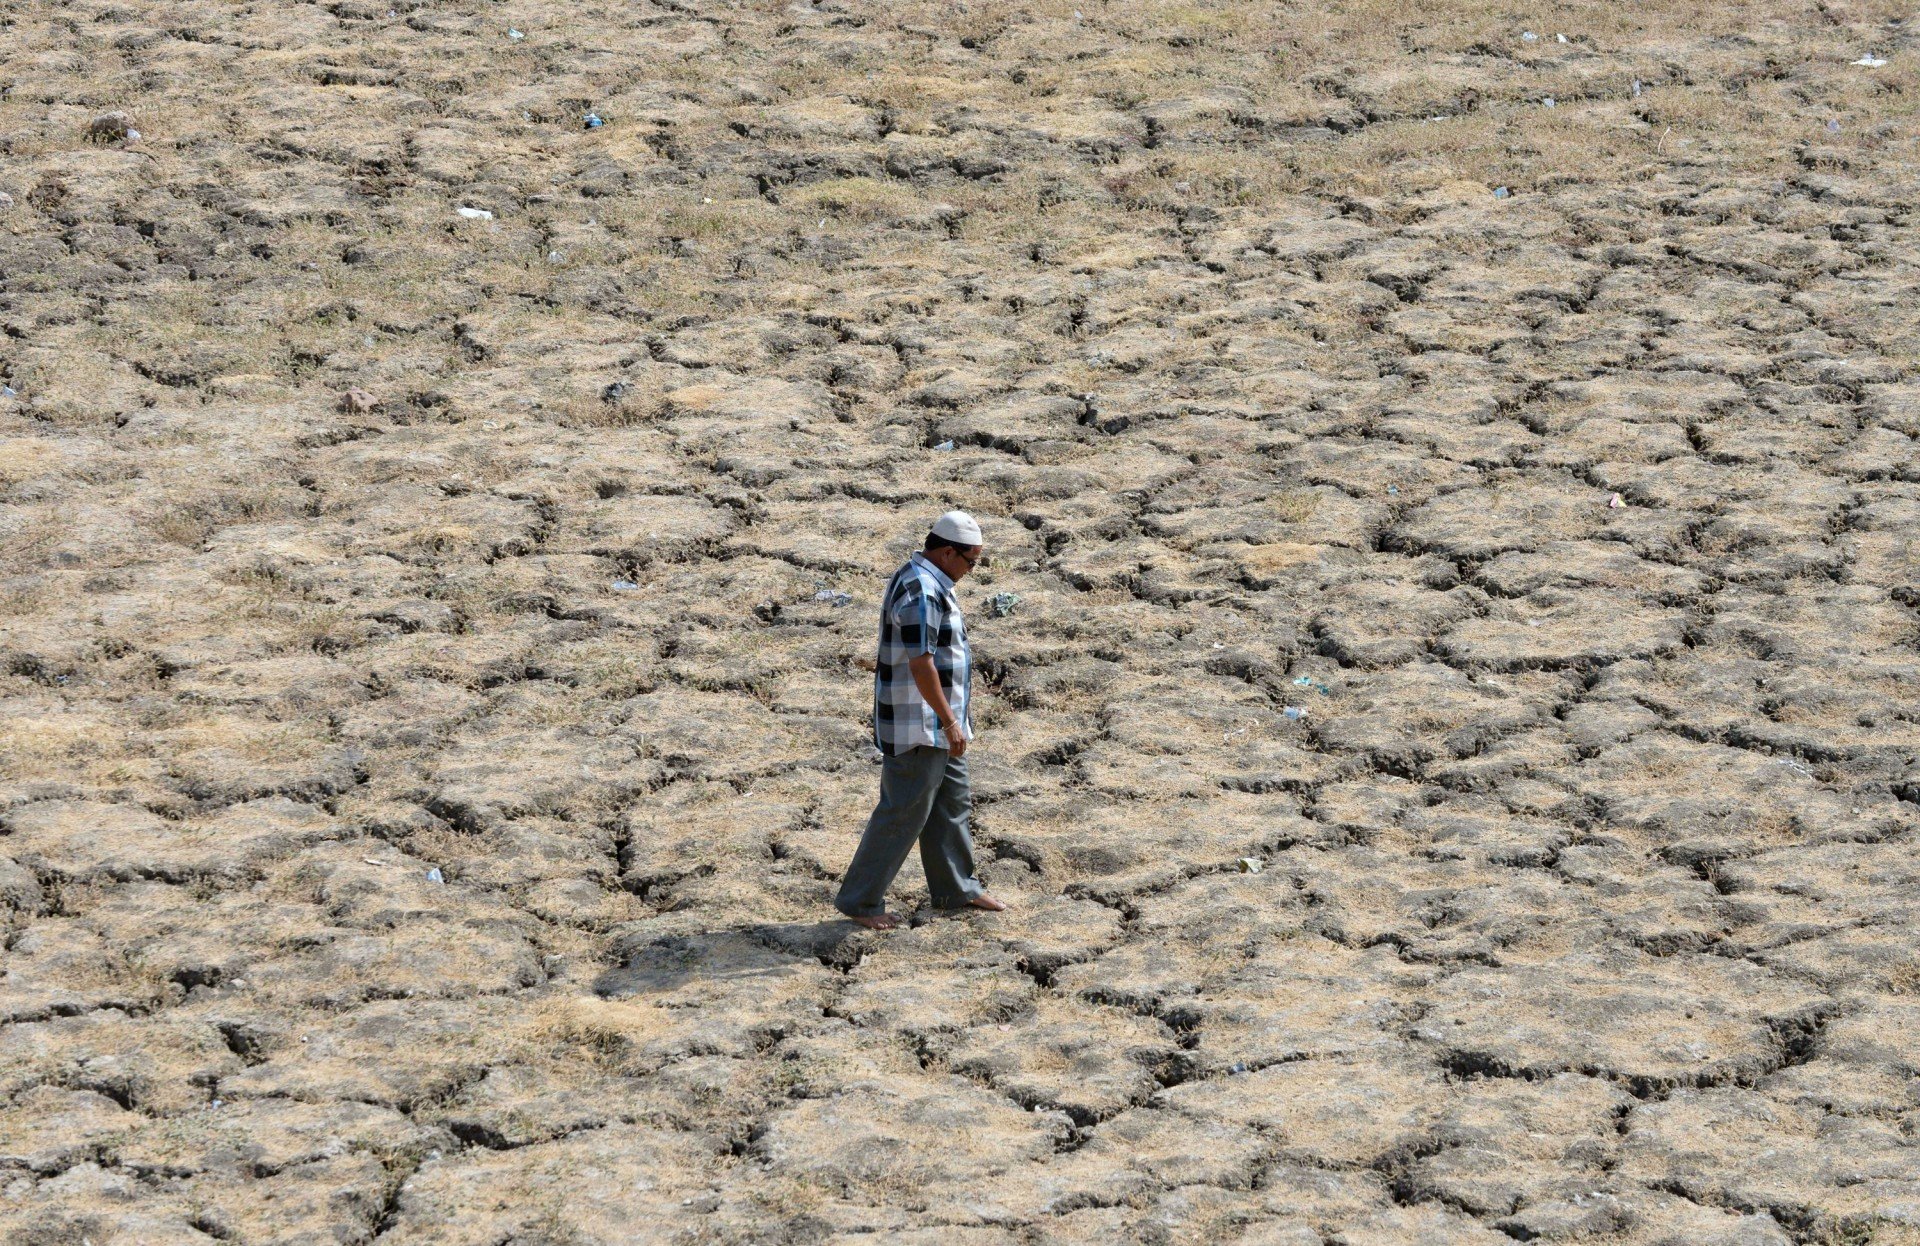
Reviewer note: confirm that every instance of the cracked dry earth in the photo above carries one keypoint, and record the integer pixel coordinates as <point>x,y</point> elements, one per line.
<point>1578,906</point>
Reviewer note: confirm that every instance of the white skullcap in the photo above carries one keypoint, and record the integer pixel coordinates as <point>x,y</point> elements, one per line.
<point>958,527</point>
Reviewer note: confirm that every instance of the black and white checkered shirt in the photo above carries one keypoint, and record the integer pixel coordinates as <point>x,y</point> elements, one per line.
<point>919,615</point>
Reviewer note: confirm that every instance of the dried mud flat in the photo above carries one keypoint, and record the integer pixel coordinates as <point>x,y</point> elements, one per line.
<point>1579,906</point>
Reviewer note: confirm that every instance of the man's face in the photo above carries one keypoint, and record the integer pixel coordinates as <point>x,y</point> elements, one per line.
<point>956,562</point>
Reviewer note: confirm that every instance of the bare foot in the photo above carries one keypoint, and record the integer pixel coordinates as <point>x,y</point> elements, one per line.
<point>987,902</point>
<point>879,921</point>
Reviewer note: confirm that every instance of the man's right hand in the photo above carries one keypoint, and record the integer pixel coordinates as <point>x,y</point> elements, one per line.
<point>956,740</point>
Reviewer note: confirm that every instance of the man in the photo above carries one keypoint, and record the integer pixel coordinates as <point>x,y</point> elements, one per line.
<point>921,725</point>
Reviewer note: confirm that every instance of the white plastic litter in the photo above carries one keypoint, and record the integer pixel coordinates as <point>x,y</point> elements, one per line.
<point>834,597</point>
<point>133,136</point>
<point>1636,88</point>
<point>1615,503</point>
<point>1251,865</point>
<point>515,35</point>
<point>435,876</point>
<point>1549,101</point>
<point>1560,38</point>
<point>1527,36</point>
<point>475,214</point>
<point>1294,712</point>
<point>945,445</point>
<point>1871,61</point>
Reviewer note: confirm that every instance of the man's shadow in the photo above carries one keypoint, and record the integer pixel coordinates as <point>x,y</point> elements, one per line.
<point>663,964</point>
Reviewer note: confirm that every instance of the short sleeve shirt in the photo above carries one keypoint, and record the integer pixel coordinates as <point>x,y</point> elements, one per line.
<point>919,615</point>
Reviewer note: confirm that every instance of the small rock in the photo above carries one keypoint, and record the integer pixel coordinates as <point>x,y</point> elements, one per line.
<point>6,201</point>
<point>357,402</point>
<point>614,392</point>
<point>108,127</point>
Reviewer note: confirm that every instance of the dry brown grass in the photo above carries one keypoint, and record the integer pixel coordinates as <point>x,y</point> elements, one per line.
<point>1296,505</point>
<point>588,1030</point>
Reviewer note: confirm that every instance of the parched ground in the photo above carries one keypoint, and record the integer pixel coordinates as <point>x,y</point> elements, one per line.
<point>418,810</point>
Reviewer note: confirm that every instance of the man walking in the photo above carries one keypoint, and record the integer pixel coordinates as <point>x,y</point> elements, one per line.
<point>921,725</point>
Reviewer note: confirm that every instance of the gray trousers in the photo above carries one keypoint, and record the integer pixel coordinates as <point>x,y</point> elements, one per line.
<point>924,799</point>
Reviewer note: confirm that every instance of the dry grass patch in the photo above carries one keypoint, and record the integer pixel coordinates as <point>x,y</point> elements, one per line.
<point>860,199</point>
<point>604,1034</point>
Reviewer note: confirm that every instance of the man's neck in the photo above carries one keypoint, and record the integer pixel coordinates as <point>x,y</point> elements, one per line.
<point>946,581</point>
